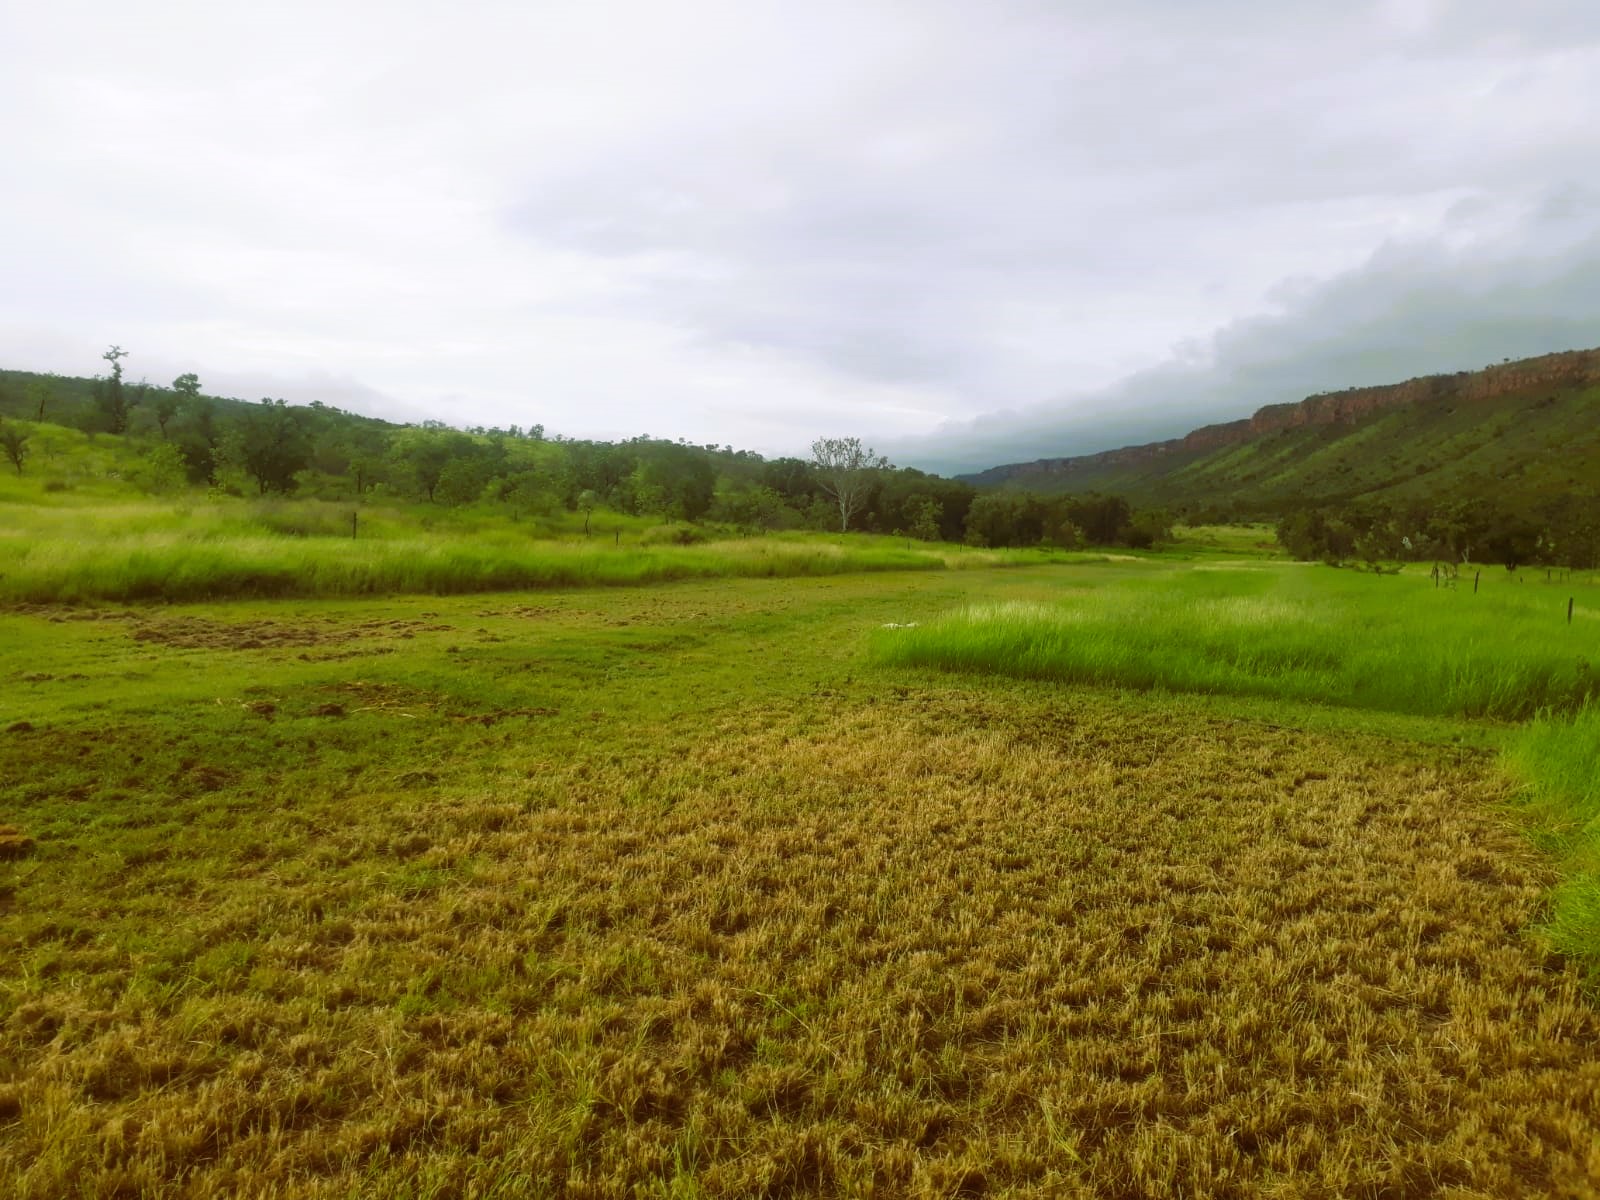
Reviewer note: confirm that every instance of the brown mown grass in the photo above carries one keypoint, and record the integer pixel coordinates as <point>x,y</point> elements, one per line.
<point>940,940</point>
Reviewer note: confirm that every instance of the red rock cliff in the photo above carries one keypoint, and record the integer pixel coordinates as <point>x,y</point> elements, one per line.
<point>1570,368</point>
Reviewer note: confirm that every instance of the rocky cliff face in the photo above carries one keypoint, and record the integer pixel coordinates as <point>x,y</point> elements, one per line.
<point>1570,368</point>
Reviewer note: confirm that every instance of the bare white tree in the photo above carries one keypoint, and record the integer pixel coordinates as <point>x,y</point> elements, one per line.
<point>845,468</point>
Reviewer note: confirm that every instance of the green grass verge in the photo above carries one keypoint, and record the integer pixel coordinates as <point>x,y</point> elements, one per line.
<point>136,552</point>
<point>1558,760</point>
<point>1292,632</point>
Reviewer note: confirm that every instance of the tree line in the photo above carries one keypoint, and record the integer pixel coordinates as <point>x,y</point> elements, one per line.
<point>189,438</point>
<point>1556,530</point>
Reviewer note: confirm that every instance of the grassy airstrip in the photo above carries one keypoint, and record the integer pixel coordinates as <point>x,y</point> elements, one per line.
<point>721,888</point>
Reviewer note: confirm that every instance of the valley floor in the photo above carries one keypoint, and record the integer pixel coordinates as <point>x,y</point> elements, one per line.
<point>664,892</point>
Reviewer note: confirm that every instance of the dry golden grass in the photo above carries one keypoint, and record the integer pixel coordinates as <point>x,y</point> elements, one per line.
<point>945,940</point>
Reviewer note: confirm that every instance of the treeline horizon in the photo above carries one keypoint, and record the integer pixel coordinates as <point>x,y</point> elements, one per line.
<point>187,438</point>
<point>1558,531</point>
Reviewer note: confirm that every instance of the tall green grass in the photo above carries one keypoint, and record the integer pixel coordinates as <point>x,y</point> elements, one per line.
<point>1557,759</point>
<point>1393,643</point>
<point>141,555</point>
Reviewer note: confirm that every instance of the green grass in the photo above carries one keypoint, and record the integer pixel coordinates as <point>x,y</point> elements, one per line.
<point>133,550</point>
<point>75,529</point>
<point>1394,643</point>
<point>1558,760</point>
<point>179,568</point>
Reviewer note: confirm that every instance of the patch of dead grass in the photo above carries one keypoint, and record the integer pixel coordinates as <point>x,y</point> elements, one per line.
<point>933,945</point>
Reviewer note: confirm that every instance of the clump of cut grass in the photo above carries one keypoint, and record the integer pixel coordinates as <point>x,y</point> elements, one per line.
<point>1557,759</point>
<point>1394,644</point>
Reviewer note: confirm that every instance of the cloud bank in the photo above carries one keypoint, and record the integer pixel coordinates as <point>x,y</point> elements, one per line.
<point>969,232</point>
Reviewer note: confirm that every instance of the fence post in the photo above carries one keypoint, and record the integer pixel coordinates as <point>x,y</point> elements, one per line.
<point>353,518</point>
<point>1569,610</point>
<point>1475,575</point>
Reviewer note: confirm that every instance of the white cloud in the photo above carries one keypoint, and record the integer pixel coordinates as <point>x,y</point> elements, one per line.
<point>754,223</point>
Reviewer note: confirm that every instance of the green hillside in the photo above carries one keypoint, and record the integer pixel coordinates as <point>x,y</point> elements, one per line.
<point>1524,449</point>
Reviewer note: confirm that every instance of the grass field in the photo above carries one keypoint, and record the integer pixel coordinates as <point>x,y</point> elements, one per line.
<point>112,547</point>
<point>684,891</point>
<point>1397,644</point>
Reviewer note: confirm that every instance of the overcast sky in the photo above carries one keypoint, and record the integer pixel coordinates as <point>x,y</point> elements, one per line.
<point>969,231</point>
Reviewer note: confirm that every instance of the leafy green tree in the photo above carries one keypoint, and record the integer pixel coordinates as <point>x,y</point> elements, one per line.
<point>1103,519</point>
<point>999,519</point>
<point>463,479</point>
<point>421,455</point>
<point>922,517</point>
<point>14,444</point>
<point>185,390</point>
<point>525,492</point>
<point>268,441</point>
<point>792,479</point>
<point>162,470</point>
<point>756,508</point>
<point>675,480</point>
<point>1146,528</point>
<point>199,439</point>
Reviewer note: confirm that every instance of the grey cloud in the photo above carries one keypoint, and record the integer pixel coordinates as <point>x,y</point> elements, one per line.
<point>1411,309</point>
<point>1039,187</point>
<point>737,218</point>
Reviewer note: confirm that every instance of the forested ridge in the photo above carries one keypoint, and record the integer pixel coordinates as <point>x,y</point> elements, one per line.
<point>177,437</point>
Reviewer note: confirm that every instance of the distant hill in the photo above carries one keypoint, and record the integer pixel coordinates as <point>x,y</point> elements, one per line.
<point>1520,432</point>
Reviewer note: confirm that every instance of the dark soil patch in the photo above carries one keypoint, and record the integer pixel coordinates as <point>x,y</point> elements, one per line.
<point>504,714</point>
<point>341,655</point>
<point>13,842</point>
<point>197,633</point>
<point>60,613</point>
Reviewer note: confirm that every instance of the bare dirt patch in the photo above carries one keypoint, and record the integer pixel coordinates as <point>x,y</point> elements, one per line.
<point>14,843</point>
<point>200,633</point>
